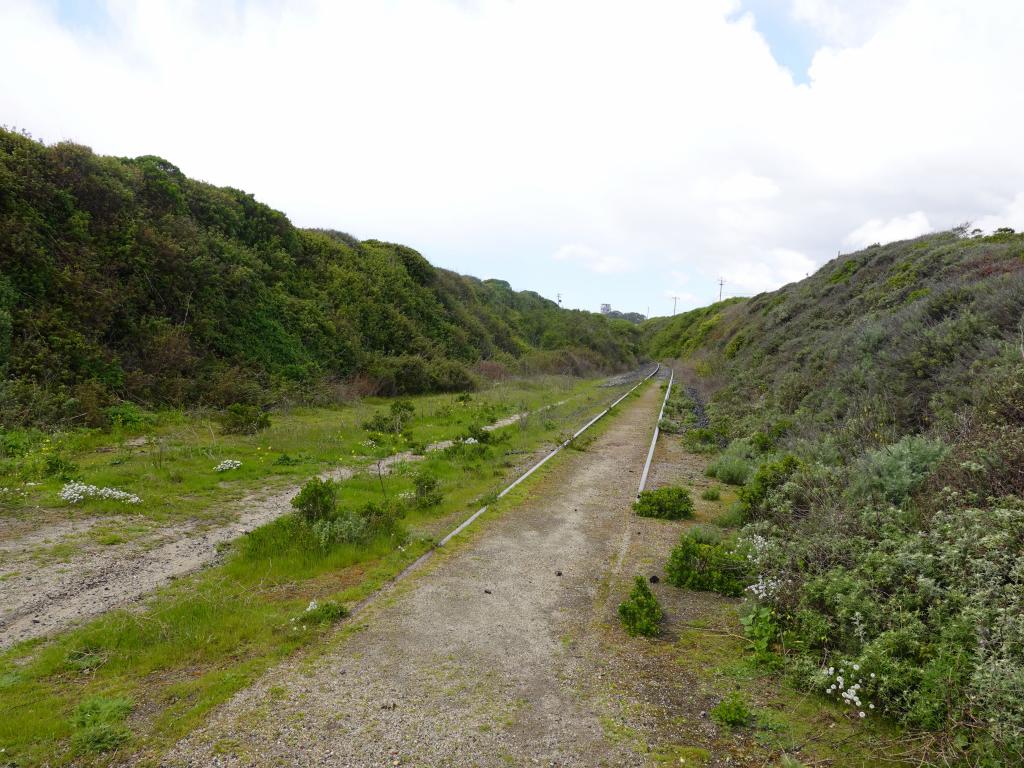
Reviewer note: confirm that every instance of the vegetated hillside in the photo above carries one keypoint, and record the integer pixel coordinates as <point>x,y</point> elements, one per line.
<point>122,278</point>
<point>876,418</point>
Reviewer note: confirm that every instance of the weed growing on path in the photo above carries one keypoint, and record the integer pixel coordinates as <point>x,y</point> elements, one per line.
<point>732,711</point>
<point>640,613</point>
<point>672,503</point>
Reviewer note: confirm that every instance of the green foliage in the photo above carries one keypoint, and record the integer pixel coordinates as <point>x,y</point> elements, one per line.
<point>327,612</point>
<point>703,561</point>
<point>640,613</point>
<point>124,280</point>
<point>735,463</point>
<point>317,500</point>
<point>767,478</point>
<point>99,724</point>
<point>427,492</point>
<point>732,711</point>
<point>241,419</point>
<point>128,416</point>
<point>761,630</point>
<point>670,503</point>
<point>392,421</point>
<point>892,473</point>
<point>712,493</point>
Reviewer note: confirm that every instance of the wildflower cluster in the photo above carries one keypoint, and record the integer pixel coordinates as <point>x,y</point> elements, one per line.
<point>850,694</point>
<point>226,465</point>
<point>765,588</point>
<point>76,492</point>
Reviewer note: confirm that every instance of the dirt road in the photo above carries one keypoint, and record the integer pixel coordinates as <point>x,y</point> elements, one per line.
<point>481,658</point>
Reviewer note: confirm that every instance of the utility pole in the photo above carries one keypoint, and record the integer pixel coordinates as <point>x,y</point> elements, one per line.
<point>674,300</point>
<point>559,299</point>
<point>721,282</point>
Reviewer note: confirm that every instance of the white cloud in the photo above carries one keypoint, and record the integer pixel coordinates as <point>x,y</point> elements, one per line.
<point>656,136</point>
<point>601,263</point>
<point>886,231</point>
<point>1011,215</point>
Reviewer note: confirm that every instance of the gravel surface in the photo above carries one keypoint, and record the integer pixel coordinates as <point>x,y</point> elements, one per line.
<point>485,656</point>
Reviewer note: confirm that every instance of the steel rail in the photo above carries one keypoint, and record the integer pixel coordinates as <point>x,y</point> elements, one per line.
<point>657,431</point>
<point>469,520</point>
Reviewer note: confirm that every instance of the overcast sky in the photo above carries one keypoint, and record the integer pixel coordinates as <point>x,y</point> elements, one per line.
<point>619,152</point>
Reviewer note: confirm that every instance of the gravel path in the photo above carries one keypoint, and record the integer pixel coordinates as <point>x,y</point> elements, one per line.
<point>483,657</point>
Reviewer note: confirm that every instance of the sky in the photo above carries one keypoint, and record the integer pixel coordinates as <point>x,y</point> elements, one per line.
<point>610,152</point>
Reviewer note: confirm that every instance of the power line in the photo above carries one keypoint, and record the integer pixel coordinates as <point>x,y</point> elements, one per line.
<point>721,282</point>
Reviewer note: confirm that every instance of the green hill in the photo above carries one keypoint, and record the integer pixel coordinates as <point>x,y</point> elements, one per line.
<point>123,279</point>
<point>873,415</point>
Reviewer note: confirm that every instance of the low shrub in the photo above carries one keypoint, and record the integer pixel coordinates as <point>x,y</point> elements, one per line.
<point>128,416</point>
<point>427,493</point>
<point>701,440</point>
<point>671,503</point>
<point>241,419</point>
<point>735,464</point>
<point>317,500</point>
<point>711,494</point>
<point>703,561</point>
<point>393,421</point>
<point>894,472</point>
<point>732,711</point>
<point>768,477</point>
<point>327,612</point>
<point>640,613</point>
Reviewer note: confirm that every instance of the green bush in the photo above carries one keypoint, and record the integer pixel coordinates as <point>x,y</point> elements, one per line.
<point>392,421</point>
<point>640,613</point>
<point>703,562</point>
<point>128,416</point>
<point>894,472</point>
<point>732,711</point>
<point>671,503</point>
<point>735,464</point>
<point>768,477</point>
<point>99,724</point>
<point>711,494</point>
<point>427,493</point>
<point>344,528</point>
<point>241,419</point>
<point>317,500</point>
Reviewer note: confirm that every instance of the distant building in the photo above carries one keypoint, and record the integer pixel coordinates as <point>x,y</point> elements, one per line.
<point>606,309</point>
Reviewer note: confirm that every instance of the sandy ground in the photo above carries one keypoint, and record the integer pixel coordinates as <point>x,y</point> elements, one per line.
<point>38,597</point>
<point>482,657</point>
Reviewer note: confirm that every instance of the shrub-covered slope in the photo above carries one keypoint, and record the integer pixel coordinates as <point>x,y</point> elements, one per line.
<point>122,278</point>
<point>874,415</point>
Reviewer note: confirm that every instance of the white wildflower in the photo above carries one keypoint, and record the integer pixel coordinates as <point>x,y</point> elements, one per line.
<point>76,492</point>
<point>226,465</point>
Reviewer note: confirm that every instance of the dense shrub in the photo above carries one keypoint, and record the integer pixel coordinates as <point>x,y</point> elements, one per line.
<point>392,421</point>
<point>427,493</point>
<point>892,473</point>
<point>317,500</point>
<point>704,562</point>
<point>124,280</point>
<point>735,463</point>
<point>241,419</point>
<point>877,417</point>
<point>711,494</point>
<point>670,503</point>
<point>640,613</point>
